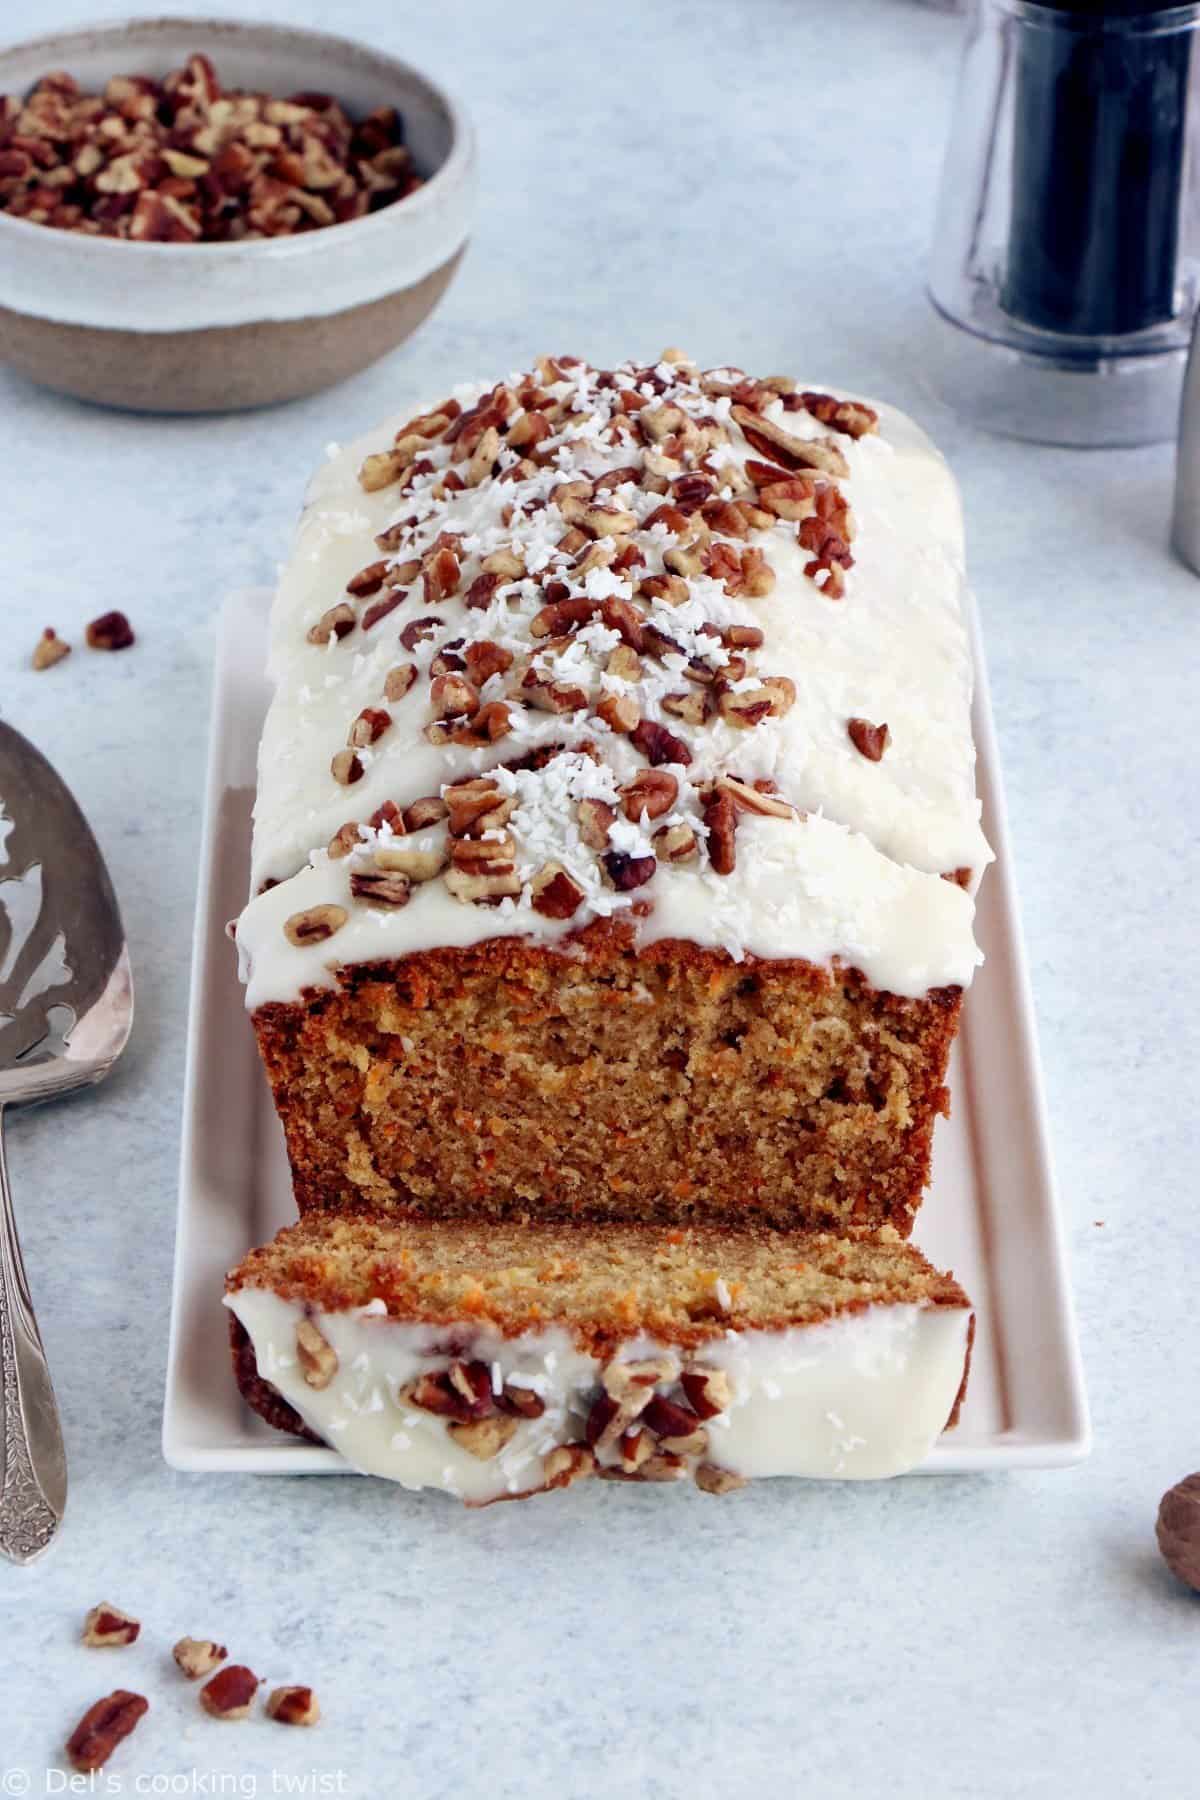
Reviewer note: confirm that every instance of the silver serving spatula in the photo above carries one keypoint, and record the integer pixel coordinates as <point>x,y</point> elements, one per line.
<point>66,1006</point>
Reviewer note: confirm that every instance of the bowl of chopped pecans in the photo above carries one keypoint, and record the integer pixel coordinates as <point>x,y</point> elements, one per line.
<point>207,216</point>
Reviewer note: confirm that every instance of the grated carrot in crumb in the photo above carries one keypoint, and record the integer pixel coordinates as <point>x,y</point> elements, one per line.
<point>496,1126</point>
<point>684,1189</point>
<point>675,1237</point>
<point>800,1268</point>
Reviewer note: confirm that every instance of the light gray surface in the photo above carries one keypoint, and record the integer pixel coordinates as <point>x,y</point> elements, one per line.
<point>756,186</point>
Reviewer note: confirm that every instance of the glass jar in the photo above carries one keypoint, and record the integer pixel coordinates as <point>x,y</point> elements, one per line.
<point>1066,255</point>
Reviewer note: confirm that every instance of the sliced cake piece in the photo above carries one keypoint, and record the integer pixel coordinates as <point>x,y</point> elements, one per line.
<point>495,1362</point>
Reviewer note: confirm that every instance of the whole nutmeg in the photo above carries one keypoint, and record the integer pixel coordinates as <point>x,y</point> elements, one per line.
<point>1178,1530</point>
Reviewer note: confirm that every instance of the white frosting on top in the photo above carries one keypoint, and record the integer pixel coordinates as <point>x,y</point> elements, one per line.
<point>863,1395</point>
<point>858,879</point>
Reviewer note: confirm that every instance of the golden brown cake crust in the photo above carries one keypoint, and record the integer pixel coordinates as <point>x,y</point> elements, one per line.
<point>671,1085</point>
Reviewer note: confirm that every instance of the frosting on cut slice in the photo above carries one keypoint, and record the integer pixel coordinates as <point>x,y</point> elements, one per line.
<point>861,1396</point>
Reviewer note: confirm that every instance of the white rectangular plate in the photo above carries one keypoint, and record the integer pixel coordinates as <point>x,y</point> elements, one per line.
<point>990,1214</point>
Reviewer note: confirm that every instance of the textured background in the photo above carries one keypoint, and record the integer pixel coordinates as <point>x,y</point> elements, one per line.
<point>757,184</point>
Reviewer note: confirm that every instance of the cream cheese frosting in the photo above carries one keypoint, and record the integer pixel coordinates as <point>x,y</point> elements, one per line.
<point>855,872</point>
<point>861,1396</point>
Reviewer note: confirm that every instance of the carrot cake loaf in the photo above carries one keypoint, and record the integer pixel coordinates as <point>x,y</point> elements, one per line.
<point>495,1361</point>
<point>616,835</point>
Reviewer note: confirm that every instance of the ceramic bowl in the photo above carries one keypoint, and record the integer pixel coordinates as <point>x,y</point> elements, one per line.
<point>217,327</point>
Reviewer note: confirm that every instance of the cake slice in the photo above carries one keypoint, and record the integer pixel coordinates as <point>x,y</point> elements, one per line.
<point>616,833</point>
<point>495,1362</point>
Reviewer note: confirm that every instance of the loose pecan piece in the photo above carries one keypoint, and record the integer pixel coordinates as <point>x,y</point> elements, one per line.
<point>293,1706</point>
<point>773,440</point>
<point>108,1628</point>
<point>369,727</point>
<point>399,680</point>
<point>708,1391</point>
<point>198,1656</point>
<point>230,1693</point>
<point>111,631</point>
<point>102,1728</point>
<point>49,649</point>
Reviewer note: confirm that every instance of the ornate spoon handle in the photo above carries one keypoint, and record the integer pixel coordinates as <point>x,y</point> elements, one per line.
<point>33,1463</point>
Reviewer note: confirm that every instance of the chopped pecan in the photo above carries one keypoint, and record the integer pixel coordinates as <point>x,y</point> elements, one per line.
<point>664,1465</point>
<point>434,1392</point>
<point>621,712</point>
<point>381,887</point>
<point>381,608</point>
<point>494,854</point>
<point>794,498</point>
<point>399,681</point>
<point>625,619</point>
<point>198,1656</point>
<point>441,576</point>
<point>416,862</point>
<point>650,794</point>
<point>107,1628</point>
<point>453,696</point>
<point>658,745</point>
<point>102,1728</point>
<point>476,806</point>
<point>368,580</point>
<point>335,623</point>
<point>869,740</point>
<point>482,889</point>
<point>624,663</point>
<point>628,872</point>
<point>314,925</point>
<point>750,799</point>
<point>49,649</point>
<point>484,659</point>
<point>419,631</point>
<point>675,843</point>
<point>566,1464</point>
<point>794,452</point>
<point>484,1438</point>
<point>595,820</point>
<point>693,707</point>
<point>316,1355</point>
<point>554,893</point>
<point>774,696</point>
<point>853,417</point>
<point>720,819</point>
<point>369,727</point>
<point>713,1480</point>
<point>346,768</point>
<point>552,696</point>
<point>708,1391</point>
<point>563,616</point>
<point>344,840</point>
<point>671,588</point>
<point>491,723</point>
<point>428,810</point>
<point>293,1706</point>
<point>111,631</point>
<point>230,1693</point>
<point>520,1400</point>
<point>505,565</point>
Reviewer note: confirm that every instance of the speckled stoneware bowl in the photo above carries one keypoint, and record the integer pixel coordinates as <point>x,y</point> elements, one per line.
<point>217,327</point>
